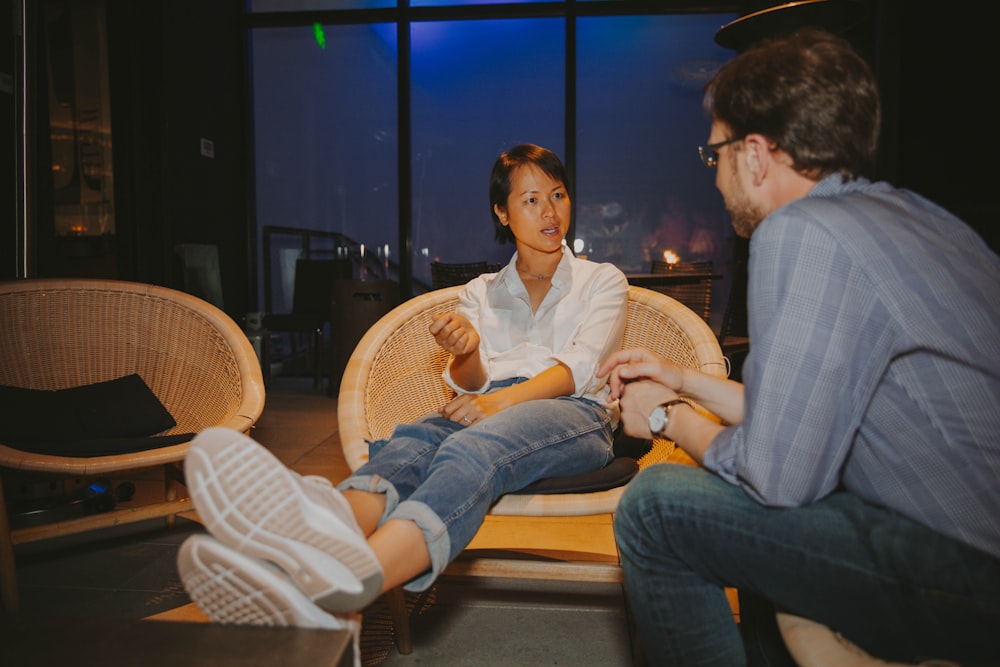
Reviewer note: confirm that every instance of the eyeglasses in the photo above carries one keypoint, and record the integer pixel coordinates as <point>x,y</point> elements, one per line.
<point>709,152</point>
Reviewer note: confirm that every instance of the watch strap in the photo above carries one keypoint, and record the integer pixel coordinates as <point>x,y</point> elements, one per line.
<point>672,402</point>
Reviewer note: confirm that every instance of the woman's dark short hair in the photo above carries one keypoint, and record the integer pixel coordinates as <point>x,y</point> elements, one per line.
<point>503,168</point>
<point>811,94</point>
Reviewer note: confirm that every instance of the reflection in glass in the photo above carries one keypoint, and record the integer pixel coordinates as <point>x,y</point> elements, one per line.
<point>325,134</point>
<point>79,119</point>
<point>326,145</point>
<point>641,189</point>
<point>478,88</point>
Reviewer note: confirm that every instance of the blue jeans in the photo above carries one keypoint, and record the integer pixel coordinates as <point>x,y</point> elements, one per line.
<point>894,587</point>
<point>445,476</point>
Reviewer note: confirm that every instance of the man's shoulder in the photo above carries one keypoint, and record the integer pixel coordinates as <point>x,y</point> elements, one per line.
<point>855,211</point>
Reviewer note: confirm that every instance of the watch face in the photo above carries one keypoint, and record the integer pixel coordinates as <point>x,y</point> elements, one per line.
<point>657,420</point>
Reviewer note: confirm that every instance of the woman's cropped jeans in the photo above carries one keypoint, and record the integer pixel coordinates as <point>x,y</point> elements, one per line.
<point>445,476</point>
<point>896,588</point>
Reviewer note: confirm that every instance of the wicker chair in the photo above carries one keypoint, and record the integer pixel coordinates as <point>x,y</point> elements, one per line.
<point>394,376</point>
<point>734,334</point>
<point>695,293</point>
<point>61,333</point>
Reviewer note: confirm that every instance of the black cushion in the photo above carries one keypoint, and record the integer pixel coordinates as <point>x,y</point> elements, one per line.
<point>97,419</point>
<point>619,470</point>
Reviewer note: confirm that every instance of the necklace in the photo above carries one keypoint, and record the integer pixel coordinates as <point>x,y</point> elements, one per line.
<point>536,276</point>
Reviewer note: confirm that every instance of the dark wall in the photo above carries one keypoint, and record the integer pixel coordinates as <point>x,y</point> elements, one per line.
<point>947,147</point>
<point>177,76</point>
<point>182,63</point>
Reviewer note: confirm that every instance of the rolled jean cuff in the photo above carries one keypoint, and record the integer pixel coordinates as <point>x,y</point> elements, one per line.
<point>435,535</point>
<point>373,484</point>
<point>434,530</point>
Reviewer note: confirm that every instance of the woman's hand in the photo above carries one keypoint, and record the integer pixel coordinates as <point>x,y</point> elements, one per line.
<point>626,366</point>
<point>454,333</point>
<point>554,381</point>
<point>471,408</point>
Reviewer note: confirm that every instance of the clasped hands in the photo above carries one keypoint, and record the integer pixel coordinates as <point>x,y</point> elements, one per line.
<point>641,380</point>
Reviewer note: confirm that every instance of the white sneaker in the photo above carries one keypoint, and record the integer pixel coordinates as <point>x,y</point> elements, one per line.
<point>235,589</point>
<point>322,490</point>
<point>252,503</point>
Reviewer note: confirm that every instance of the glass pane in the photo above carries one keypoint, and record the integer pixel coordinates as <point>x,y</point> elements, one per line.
<point>325,148</point>
<point>79,121</point>
<point>479,88</point>
<point>642,189</point>
<point>262,6</point>
<point>450,3</point>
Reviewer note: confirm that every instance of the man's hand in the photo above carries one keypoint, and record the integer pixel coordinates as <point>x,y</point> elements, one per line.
<point>640,364</point>
<point>637,403</point>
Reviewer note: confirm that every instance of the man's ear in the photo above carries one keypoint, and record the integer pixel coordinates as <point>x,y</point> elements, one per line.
<point>757,154</point>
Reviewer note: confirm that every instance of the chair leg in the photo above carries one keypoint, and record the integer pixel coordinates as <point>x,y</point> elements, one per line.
<point>317,359</point>
<point>638,655</point>
<point>8,573</point>
<point>396,600</point>
<point>169,491</point>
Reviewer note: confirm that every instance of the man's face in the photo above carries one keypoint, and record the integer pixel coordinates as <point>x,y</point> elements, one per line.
<point>733,182</point>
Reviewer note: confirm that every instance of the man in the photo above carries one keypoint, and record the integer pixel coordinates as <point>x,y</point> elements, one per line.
<point>855,477</point>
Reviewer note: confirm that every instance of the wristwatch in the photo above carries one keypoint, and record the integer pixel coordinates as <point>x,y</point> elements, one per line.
<point>660,417</point>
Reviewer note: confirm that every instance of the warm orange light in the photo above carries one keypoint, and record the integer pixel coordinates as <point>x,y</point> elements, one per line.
<point>671,257</point>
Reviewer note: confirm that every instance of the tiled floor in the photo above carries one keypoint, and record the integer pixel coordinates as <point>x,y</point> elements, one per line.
<point>130,573</point>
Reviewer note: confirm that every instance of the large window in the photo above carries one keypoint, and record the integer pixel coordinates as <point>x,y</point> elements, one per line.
<point>346,124</point>
<point>642,189</point>
<point>325,144</point>
<point>479,87</point>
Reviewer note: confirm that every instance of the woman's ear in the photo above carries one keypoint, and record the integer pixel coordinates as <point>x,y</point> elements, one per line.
<point>501,214</point>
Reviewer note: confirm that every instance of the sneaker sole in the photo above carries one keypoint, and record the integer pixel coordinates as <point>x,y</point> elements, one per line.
<point>252,503</point>
<point>235,589</point>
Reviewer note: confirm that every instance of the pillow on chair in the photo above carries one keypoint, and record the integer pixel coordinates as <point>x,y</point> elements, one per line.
<point>97,419</point>
<point>619,470</point>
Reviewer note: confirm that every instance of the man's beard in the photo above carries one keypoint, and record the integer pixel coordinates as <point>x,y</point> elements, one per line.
<point>746,215</point>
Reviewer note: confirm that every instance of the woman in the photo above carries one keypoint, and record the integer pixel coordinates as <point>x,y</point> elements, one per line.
<point>526,344</point>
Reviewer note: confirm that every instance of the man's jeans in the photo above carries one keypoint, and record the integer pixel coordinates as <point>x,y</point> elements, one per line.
<point>892,586</point>
<point>445,476</point>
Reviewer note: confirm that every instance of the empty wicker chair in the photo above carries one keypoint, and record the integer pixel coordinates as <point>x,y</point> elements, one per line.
<point>63,333</point>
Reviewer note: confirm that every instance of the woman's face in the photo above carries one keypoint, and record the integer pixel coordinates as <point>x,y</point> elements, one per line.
<point>537,211</point>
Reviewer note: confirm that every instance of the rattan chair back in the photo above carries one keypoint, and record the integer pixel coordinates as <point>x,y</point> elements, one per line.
<point>394,377</point>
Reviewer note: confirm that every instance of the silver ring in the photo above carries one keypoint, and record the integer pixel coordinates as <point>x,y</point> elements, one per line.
<point>466,419</point>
